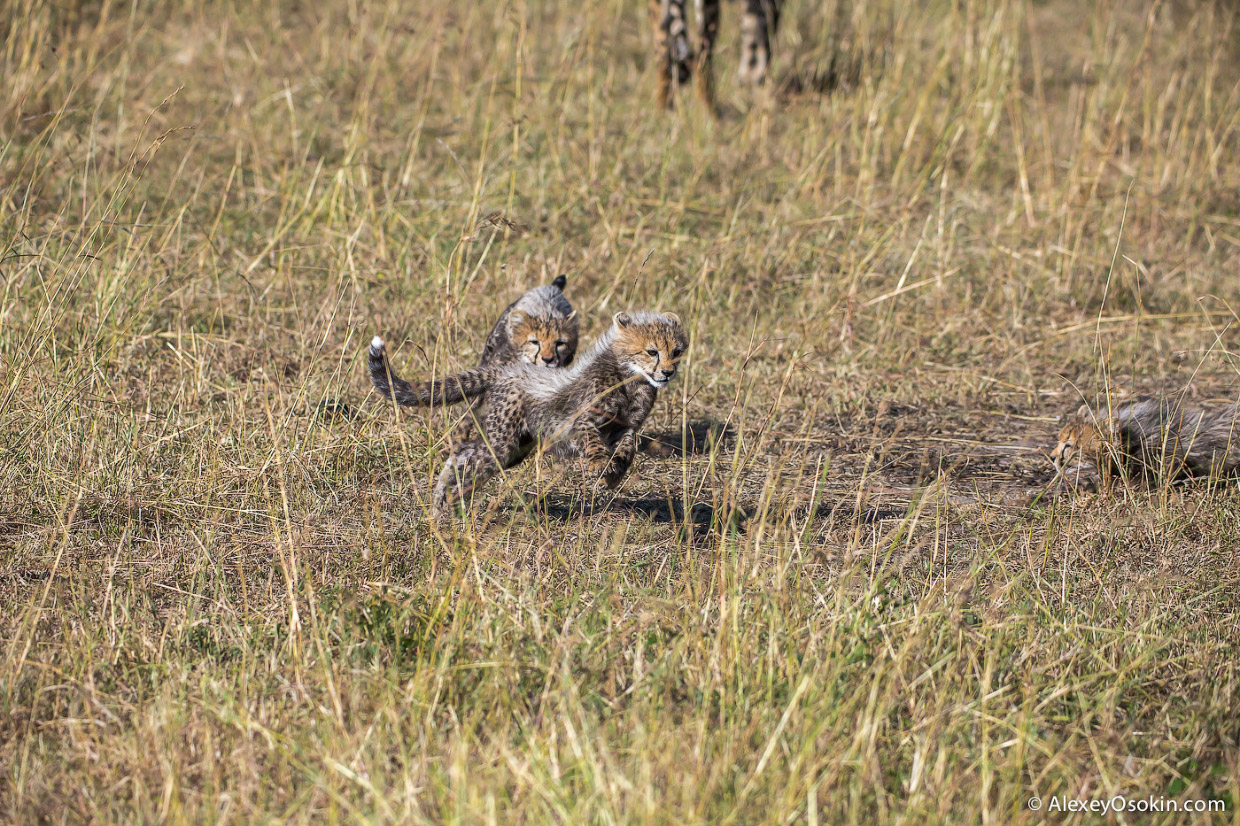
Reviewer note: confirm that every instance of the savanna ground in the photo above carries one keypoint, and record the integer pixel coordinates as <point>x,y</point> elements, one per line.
<point>829,592</point>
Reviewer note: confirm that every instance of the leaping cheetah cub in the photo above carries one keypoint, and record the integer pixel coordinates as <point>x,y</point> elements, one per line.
<point>591,410</point>
<point>1151,439</point>
<point>538,328</point>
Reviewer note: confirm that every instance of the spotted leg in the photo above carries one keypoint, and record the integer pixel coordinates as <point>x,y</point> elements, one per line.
<point>758,24</point>
<point>593,448</point>
<point>621,458</point>
<point>707,31</point>
<point>464,430</point>
<point>671,32</point>
<point>474,462</point>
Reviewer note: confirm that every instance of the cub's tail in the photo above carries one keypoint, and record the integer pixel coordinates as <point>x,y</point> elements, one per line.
<point>560,282</point>
<point>450,390</point>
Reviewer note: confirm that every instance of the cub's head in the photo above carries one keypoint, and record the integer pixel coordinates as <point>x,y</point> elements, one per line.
<point>542,340</point>
<point>1078,437</point>
<point>650,344</point>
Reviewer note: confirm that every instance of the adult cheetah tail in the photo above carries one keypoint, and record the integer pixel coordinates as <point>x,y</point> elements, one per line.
<point>560,282</point>
<point>450,390</point>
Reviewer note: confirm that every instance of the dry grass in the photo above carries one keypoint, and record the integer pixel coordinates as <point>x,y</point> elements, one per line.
<point>836,598</point>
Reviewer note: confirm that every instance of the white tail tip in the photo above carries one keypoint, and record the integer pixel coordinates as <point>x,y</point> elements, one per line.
<point>376,344</point>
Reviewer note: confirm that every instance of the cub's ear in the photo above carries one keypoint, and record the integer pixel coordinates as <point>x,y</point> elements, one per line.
<point>560,282</point>
<point>672,317</point>
<point>572,316</point>
<point>1083,411</point>
<point>515,319</point>
<point>622,320</point>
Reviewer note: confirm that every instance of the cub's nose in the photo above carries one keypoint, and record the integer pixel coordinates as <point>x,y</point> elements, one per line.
<point>549,360</point>
<point>667,374</point>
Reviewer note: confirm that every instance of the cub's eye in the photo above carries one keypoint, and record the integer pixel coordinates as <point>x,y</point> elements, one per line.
<point>653,353</point>
<point>676,353</point>
<point>532,341</point>
<point>561,344</point>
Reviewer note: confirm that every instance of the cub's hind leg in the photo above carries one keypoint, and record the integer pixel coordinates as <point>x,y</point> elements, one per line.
<point>671,33</point>
<point>758,24</point>
<point>470,465</point>
<point>466,429</point>
<point>474,462</point>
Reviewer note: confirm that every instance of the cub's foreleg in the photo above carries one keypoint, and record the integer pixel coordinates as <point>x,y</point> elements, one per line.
<point>592,447</point>
<point>621,458</point>
<point>607,455</point>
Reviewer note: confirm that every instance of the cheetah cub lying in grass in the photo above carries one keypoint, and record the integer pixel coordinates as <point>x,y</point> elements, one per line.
<point>1149,439</point>
<point>592,410</point>
<point>539,328</point>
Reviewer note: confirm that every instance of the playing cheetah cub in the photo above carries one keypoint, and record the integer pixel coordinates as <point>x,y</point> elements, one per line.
<point>1149,439</point>
<point>592,410</point>
<point>539,328</point>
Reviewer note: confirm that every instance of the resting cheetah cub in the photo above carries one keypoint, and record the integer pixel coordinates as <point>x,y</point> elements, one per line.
<point>592,410</point>
<point>538,328</point>
<point>1151,439</point>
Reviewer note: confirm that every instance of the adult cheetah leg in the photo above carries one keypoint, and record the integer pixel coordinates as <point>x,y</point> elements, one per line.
<point>707,31</point>
<point>671,32</point>
<point>757,25</point>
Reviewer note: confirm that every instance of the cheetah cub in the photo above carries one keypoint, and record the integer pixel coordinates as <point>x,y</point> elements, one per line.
<point>538,328</point>
<point>1149,438</point>
<point>592,410</point>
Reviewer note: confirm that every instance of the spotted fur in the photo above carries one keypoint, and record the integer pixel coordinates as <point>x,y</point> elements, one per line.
<point>592,410</point>
<point>676,61</point>
<point>1152,439</point>
<point>538,328</point>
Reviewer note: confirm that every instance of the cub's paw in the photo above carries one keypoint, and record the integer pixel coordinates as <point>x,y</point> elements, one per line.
<point>1078,479</point>
<point>445,504</point>
<point>613,475</point>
